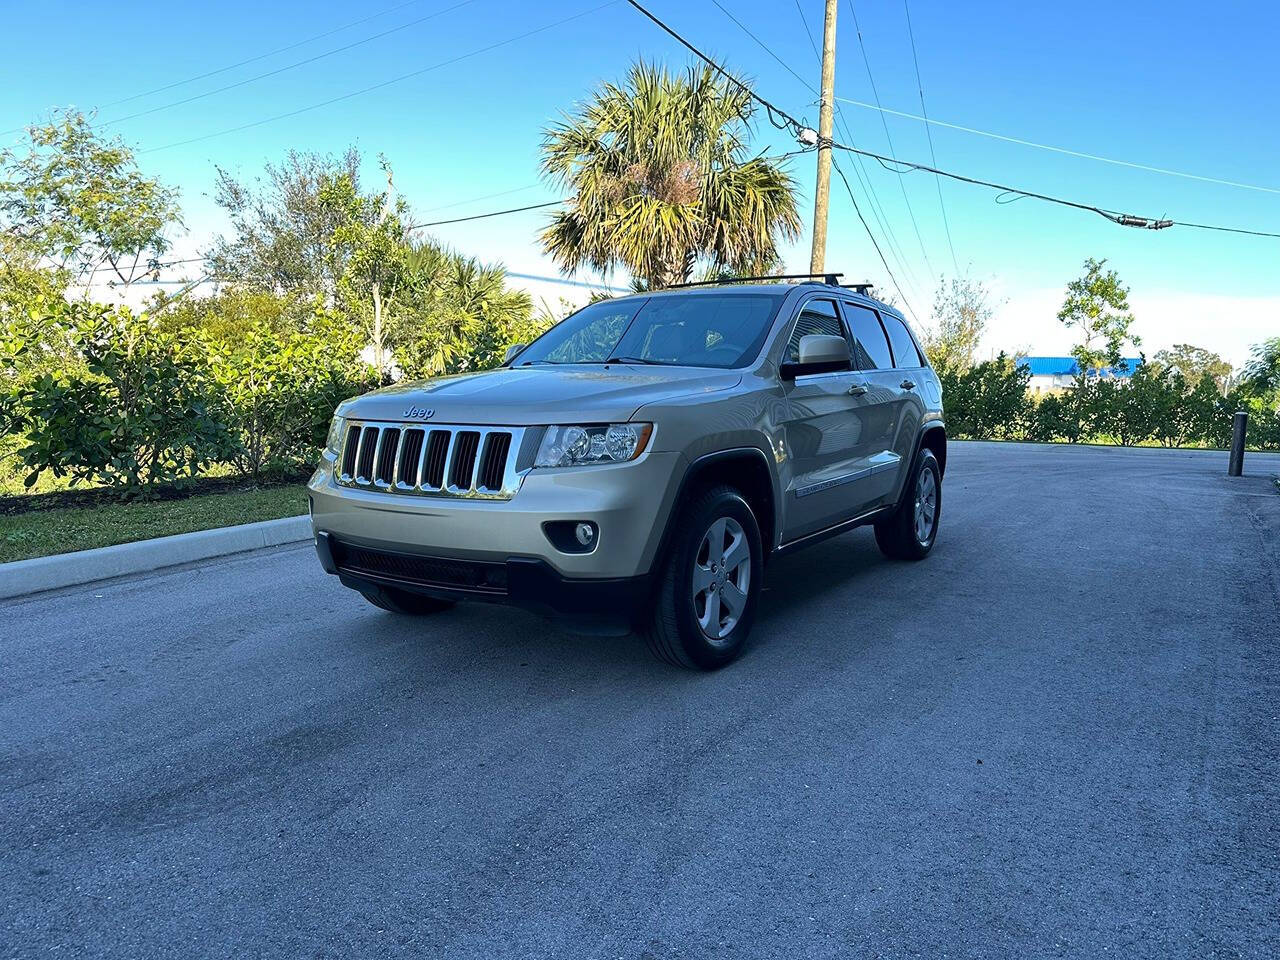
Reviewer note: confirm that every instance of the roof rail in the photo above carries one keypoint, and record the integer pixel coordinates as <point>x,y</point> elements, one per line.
<point>827,278</point>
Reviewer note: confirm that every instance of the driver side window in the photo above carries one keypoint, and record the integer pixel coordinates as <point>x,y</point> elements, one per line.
<point>595,340</point>
<point>817,317</point>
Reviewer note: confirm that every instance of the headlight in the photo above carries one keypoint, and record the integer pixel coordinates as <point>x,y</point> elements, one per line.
<point>333,442</point>
<point>575,446</point>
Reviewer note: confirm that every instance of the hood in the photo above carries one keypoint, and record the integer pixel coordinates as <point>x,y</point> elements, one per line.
<point>538,394</point>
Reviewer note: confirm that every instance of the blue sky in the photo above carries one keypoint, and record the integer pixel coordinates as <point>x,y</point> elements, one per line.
<point>1162,84</point>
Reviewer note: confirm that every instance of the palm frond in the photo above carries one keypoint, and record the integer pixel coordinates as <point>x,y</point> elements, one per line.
<point>661,179</point>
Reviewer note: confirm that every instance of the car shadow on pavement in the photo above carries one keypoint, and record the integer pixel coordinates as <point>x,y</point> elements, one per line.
<point>796,580</point>
<point>506,637</point>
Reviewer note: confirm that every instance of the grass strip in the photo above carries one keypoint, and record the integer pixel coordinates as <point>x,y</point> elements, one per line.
<point>41,533</point>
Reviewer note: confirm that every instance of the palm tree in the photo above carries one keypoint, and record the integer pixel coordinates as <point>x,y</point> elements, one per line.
<point>660,178</point>
<point>457,314</point>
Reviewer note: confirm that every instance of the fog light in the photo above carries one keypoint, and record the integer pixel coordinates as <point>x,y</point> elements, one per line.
<point>572,536</point>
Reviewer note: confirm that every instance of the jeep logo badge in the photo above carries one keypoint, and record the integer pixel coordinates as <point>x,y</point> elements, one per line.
<point>418,413</point>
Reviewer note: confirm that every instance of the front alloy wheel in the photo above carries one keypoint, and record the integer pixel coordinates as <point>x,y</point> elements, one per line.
<point>705,598</point>
<point>721,578</point>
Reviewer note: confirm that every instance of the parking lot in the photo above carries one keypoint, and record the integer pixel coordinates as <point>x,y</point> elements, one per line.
<point>1058,736</point>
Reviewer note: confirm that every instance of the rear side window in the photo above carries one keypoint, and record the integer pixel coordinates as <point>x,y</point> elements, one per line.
<point>817,318</point>
<point>870,349</point>
<point>904,348</point>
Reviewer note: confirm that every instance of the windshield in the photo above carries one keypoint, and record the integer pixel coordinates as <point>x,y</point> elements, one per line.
<point>692,330</point>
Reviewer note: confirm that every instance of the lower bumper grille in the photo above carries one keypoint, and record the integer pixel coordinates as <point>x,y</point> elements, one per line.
<point>471,576</point>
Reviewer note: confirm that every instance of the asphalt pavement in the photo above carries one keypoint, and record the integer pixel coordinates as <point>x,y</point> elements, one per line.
<point>1057,736</point>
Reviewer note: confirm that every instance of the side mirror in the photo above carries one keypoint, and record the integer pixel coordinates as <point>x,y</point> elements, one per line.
<point>512,351</point>
<point>818,354</point>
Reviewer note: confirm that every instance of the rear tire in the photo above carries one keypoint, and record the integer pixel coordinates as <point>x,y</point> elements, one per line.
<point>910,532</point>
<point>404,602</point>
<point>707,591</point>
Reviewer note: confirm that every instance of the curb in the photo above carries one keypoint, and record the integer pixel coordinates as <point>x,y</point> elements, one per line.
<point>22,577</point>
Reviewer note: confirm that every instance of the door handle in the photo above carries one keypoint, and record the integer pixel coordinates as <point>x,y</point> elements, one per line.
<point>908,384</point>
<point>857,390</point>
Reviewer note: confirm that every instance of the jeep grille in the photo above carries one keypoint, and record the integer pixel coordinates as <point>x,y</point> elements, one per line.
<point>435,461</point>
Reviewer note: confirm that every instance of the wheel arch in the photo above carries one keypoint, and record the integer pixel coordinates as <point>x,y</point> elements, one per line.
<point>932,435</point>
<point>744,468</point>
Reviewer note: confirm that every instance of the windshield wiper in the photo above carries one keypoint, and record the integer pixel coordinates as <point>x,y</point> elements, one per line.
<point>645,360</point>
<point>530,363</point>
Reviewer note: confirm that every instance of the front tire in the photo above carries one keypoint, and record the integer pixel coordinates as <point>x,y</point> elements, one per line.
<point>710,584</point>
<point>404,602</point>
<point>911,530</point>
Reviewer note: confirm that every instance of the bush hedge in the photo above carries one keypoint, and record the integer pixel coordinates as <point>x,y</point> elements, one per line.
<point>989,401</point>
<point>129,403</point>
<point>142,405</point>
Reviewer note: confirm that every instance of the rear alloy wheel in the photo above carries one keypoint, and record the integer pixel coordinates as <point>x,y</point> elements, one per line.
<point>910,531</point>
<point>404,602</point>
<point>710,582</point>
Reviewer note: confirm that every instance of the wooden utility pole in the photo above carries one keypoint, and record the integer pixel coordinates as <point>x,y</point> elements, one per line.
<point>822,190</point>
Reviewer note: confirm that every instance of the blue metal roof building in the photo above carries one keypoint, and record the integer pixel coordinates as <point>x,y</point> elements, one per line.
<point>1067,367</point>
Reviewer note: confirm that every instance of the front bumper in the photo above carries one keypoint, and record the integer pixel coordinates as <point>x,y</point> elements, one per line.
<point>609,605</point>
<point>498,550</point>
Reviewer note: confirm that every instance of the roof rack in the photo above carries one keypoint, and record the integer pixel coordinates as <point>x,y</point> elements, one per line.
<point>827,278</point>
<point>861,288</point>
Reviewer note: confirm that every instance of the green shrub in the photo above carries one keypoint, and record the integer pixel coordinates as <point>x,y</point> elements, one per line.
<point>988,400</point>
<point>1055,417</point>
<point>134,413</point>
<point>278,392</point>
<point>1131,411</point>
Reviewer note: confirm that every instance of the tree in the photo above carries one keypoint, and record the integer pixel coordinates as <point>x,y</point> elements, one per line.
<point>24,283</point>
<point>1194,363</point>
<point>458,314</point>
<point>988,399</point>
<point>1097,306</point>
<point>283,225</point>
<point>961,310</point>
<point>659,177</point>
<point>76,203</point>
<point>229,314</point>
<point>278,389</point>
<point>368,228</point>
<point>1262,373</point>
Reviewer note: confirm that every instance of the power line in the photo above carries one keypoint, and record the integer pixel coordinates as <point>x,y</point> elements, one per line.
<point>1123,219</point>
<point>933,157</point>
<point>764,46</point>
<point>790,122</point>
<point>888,138</point>
<point>905,302</point>
<point>805,83</point>
<point>385,83</point>
<point>1206,226</point>
<point>931,121</point>
<point>567,282</point>
<point>485,216</point>
<point>860,171</point>
<point>246,62</point>
<point>287,66</point>
<point>487,196</point>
